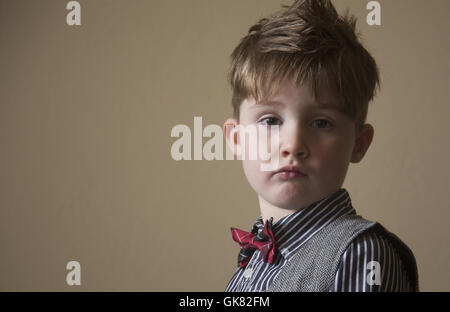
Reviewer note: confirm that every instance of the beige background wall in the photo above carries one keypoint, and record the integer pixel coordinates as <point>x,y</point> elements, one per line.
<point>85,119</point>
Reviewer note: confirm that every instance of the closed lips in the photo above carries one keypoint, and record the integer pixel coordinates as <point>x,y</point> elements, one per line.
<point>291,169</point>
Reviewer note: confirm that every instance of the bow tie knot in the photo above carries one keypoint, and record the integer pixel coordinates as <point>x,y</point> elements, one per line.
<point>264,241</point>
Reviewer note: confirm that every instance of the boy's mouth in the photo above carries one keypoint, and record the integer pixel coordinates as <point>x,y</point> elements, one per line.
<point>290,172</point>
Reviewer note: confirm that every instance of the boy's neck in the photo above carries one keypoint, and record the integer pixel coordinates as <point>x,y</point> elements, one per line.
<point>268,210</point>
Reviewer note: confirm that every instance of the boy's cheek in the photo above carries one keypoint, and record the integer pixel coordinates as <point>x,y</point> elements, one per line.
<point>335,163</point>
<point>258,152</point>
<point>260,147</point>
<point>253,170</point>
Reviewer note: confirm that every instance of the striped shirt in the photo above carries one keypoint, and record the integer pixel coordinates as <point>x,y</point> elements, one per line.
<point>354,272</point>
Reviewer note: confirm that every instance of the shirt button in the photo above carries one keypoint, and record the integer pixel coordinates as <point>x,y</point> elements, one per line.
<point>248,273</point>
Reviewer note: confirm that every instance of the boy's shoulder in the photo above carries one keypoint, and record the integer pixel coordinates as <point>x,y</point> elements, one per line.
<point>378,236</point>
<point>379,250</point>
<point>375,242</point>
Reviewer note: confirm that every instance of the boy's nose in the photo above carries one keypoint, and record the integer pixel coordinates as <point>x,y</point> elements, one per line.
<point>293,144</point>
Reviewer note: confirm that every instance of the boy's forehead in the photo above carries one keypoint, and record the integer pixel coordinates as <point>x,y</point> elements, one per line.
<point>281,102</point>
<point>291,93</point>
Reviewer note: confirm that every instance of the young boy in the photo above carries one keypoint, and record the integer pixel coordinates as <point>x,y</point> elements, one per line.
<point>304,70</point>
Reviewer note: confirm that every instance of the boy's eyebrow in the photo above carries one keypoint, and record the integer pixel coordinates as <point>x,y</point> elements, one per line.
<point>268,103</point>
<point>318,104</point>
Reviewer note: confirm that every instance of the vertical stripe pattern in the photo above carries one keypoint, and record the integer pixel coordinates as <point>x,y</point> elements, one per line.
<point>355,274</point>
<point>292,231</point>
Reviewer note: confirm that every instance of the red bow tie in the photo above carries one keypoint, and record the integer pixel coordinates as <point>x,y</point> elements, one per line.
<point>264,241</point>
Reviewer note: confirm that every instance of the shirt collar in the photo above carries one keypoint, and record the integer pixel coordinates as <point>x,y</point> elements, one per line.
<point>292,231</point>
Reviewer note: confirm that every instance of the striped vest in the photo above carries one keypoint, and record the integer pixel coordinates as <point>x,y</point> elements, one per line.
<point>314,266</point>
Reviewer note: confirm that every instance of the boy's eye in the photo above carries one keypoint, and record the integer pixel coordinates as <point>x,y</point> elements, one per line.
<point>322,123</point>
<point>269,121</point>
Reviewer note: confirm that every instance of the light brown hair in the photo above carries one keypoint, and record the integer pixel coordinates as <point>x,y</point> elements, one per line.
<point>309,43</point>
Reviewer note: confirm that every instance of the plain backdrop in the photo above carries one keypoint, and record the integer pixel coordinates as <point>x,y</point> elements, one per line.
<point>86,114</point>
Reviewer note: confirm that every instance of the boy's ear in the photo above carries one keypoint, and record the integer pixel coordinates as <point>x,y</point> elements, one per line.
<point>230,131</point>
<point>362,142</point>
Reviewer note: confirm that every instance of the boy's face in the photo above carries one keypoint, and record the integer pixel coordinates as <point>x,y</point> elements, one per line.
<point>313,136</point>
